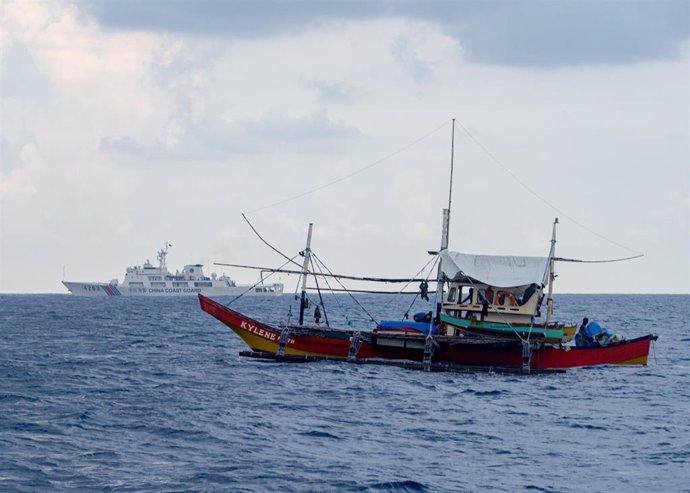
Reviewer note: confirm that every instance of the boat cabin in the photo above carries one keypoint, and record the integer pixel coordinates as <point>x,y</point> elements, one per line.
<point>492,289</point>
<point>515,304</point>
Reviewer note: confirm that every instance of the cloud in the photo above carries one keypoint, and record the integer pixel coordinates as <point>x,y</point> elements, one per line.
<point>536,34</point>
<point>124,144</point>
<point>20,77</point>
<point>309,128</point>
<point>20,180</point>
<point>333,91</point>
<point>402,50</point>
<point>271,133</point>
<point>237,19</point>
<point>552,34</point>
<point>11,151</point>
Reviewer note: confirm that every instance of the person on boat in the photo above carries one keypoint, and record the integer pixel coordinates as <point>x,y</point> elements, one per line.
<point>529,292</point>
<point>485,309</point>
<point>581,338</point>
<point>591,334</point>
<point>317,314</point>
<point>486,295</point>
<point>424,290</point>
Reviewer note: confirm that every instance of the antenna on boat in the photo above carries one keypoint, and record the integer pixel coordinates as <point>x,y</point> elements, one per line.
<point>305,271</point>
<point>552,274</point>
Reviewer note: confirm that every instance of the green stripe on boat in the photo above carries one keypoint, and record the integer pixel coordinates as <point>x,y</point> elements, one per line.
<point>501,328</point>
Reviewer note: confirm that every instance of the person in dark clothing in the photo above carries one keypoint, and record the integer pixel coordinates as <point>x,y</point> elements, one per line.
<point>581,338</point>
<point>531,289</point>
<point>317,314</point>
<point>424,290</point>
<point>485,308</point>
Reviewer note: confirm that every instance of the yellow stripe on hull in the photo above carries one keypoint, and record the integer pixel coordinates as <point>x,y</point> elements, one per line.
<point>569,332</point>
<point>641,360</point>
<point>255,342</point>
<point>258,343</point>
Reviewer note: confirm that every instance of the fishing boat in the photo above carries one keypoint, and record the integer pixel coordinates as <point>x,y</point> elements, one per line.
<point>486,317</point>
<point>417,350</point>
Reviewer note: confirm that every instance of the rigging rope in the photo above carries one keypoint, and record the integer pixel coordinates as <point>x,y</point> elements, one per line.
<point>561,259</point>
<point>332,290</point>
<point>289,260</point>
<point>316,280</point>
<point>342,286</point>
<point>297,287</point>
<point>407,312</point>
<point>526,187</point>
<point>256,284</point>
<point>360,170</point>
<point>433,259</point>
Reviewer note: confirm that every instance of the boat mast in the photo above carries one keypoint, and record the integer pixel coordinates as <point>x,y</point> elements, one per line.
<point>552,274</point>
<point>445,227</point>
<point>305,270</point>
<point>450,188</point>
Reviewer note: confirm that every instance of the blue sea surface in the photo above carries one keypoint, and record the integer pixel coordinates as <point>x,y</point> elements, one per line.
<point>150,394</point>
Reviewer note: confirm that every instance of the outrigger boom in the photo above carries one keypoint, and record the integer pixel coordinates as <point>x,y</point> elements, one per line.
<point>324,274</point>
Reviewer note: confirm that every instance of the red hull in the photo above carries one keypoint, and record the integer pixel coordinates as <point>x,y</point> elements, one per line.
<point>335,343</point>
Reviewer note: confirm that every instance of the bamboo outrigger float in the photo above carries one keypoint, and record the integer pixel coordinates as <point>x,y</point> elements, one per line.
<point>486,318</point>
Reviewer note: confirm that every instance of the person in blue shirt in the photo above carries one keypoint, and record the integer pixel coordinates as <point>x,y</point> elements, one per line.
<point>529,292</point>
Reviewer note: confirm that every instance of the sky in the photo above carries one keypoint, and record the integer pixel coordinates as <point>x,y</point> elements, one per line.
<point>126,124</point>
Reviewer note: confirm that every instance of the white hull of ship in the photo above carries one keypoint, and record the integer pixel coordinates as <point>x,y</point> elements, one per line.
<point>98,289</point>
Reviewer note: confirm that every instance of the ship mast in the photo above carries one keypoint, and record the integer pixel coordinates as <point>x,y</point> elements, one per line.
<point>161,257</point>
<point>305,270</point>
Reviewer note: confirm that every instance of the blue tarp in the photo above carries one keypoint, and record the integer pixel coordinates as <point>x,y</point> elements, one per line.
<point>592,335</point>
<point>594,329</point>
<point>404,324</point>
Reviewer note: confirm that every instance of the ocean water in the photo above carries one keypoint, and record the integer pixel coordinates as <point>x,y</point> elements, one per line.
<point>127,394</point>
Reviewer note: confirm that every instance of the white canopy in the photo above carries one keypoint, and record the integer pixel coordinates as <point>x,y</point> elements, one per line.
<point>494,270</point>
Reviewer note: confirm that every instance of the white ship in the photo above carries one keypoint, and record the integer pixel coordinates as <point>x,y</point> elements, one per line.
<point>147,280</point>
